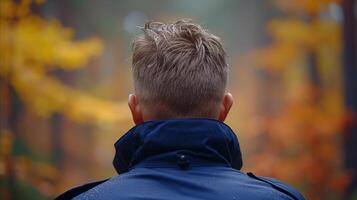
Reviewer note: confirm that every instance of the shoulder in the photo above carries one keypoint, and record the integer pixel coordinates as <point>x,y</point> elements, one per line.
<point>112,188</point>
<point>70,194</point>
<point>281,187</point>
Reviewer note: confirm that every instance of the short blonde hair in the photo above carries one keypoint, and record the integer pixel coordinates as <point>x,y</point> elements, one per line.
<point>179,69</point>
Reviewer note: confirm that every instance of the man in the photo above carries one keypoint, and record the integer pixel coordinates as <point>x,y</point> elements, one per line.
<point>180,148</point>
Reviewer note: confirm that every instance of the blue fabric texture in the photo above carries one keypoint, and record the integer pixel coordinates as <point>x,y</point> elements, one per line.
<point>183,159</point>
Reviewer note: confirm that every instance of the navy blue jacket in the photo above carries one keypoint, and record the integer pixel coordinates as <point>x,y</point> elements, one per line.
<point>181,159</point>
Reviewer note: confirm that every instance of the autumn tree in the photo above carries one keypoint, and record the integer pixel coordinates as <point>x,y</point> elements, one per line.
<point>30,48</point>
<point>303,135</point>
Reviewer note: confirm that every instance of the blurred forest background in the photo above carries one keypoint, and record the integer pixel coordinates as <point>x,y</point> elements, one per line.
<point>65,78</point>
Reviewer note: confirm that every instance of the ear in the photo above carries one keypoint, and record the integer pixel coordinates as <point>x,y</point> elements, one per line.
<point>136,112</point>
<point>225,106</point>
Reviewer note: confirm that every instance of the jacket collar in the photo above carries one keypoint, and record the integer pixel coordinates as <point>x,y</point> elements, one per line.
<point>208,139</point>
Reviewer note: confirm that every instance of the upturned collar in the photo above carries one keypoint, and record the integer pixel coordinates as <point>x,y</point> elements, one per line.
<point>207,140</point>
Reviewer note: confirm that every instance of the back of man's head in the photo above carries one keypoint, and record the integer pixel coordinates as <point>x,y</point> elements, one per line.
<point>179,70</point>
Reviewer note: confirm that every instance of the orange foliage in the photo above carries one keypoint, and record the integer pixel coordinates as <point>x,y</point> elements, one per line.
<point>305,6</point>
<point>300,141</point>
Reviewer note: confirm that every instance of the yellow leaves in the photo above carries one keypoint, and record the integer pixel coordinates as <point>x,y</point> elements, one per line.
<point>87,108</point>
<point>328,34</point>
<point>11,9</point>
<point>305,34</point>
<point>45,95</point>
<point>274,57</point>
<point>41,44</point>
<point>293,38</point>
<point>294,35</point>
<point>72,56</point>
<point>47,44</point>
<point>292,31</point>
<point>30,46</point>
<point>311,7</point>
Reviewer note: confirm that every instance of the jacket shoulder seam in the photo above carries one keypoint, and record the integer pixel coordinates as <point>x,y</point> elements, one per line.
<point>74,192</point>
<point>275,186</point>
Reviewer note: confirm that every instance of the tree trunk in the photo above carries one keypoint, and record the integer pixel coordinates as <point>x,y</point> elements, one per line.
<point>10,110</point>
<point>350,88</point>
